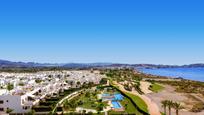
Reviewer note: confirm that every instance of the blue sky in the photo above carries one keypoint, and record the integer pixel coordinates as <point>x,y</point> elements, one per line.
<point>123,31</point>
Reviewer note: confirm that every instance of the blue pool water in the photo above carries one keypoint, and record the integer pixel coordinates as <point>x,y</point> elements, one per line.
<point>106,95</point>
<point>116,105</point>
<point>187,73</point>
<point>114,99</point>
<point>118,97</point>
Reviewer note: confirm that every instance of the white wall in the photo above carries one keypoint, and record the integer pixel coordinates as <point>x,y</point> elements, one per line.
<point>14,103</point>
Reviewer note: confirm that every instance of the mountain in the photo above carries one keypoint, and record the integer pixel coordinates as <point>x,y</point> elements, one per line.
<point>86,65</point>
<point>167,66</point>
<point>5,63</point>
<point>10,64</point>
<point>194,65</point>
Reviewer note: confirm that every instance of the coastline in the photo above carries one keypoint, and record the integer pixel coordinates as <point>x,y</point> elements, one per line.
<point>170,73</point>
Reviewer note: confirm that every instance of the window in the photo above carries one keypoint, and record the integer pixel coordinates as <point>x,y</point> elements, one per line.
<point>26,107</point>
<point>1,109</point>
<point>1,101</point>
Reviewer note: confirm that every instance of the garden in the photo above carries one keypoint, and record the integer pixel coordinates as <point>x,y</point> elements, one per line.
<point>92,101</point>
<point>50,101</point>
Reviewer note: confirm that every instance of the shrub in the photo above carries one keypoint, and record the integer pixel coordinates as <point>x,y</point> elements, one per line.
<point>198,107</point>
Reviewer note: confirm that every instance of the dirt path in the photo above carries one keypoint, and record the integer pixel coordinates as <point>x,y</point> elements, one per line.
<point>197,97</point>
<point>144,86</point>
<point>169,94</point>
<point>152,106</point>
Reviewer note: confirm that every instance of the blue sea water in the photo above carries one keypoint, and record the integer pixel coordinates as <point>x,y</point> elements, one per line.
<point>186,73</point>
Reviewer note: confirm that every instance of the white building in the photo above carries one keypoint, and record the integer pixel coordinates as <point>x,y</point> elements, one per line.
<point>23,97</point>
<point>16,103</point>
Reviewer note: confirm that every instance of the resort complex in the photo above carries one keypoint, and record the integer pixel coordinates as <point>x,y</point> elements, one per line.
<point>101,57</point>
<point>106,91</point>
<point>66,92</point>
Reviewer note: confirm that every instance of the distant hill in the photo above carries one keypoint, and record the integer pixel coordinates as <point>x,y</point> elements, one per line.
<point>5,63</point>
<point>194,65</point>
<point>86,65</point>
<point>10,64</point>
<point>167,66</point>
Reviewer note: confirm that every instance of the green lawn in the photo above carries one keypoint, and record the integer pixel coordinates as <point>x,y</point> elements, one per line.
<point>125,112</point>
<point>138,101</point>
<point>156,87</point>
<point>88,102</point>
<point>129,109</point>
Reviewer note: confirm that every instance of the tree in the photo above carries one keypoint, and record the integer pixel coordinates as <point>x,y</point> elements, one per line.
<point>177,107</point>
<point>38,81</point>
<point>21,84</point>
<point>84,112</point>
<point>126,105</point>
<point>90,113</point>
<point>71,83</point>
<point>31,112</point>
<point>10,86</point>
<point>100,107</point>
<point>103,81</point>
<point>87,94</point>
<point>66,105</point>
<point>164,105</point>
<point>78,83</point>
<point>9,110</point>
<point>170,104</point>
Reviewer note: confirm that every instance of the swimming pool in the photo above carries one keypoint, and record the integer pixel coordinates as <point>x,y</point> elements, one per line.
<point>115,97</point>
<point>116,105</point>
<point>118,96</point>
<point>104,95</point>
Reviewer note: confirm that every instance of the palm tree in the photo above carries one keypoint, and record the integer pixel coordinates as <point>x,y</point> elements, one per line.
<point>164,105</point>
<point>170,104</point>
<point>177,107</point>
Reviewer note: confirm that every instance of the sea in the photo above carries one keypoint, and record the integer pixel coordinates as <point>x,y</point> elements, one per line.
<point>196,73</point>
